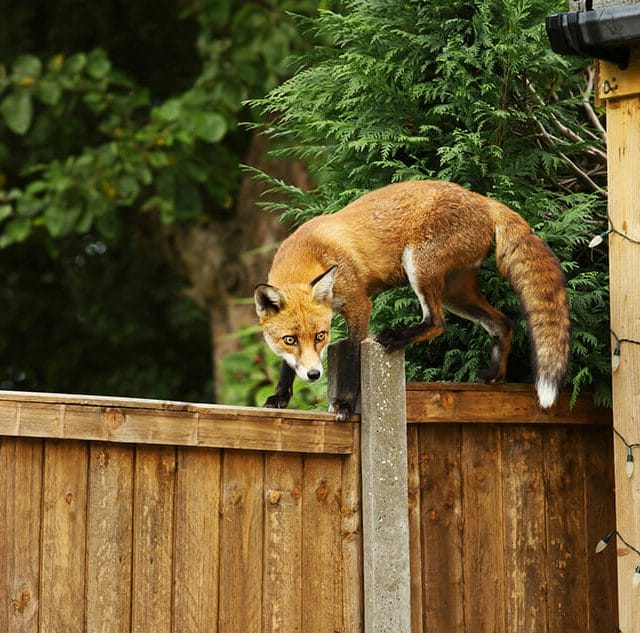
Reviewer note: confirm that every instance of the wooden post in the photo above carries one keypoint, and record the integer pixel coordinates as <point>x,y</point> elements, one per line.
<point>621,91</point>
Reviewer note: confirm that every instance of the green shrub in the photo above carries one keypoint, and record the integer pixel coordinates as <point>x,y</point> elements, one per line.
<point>467,91</point>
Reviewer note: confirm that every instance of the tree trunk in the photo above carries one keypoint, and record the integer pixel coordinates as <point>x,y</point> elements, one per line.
<point>224,260</point>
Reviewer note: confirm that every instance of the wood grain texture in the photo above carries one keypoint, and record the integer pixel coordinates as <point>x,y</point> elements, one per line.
<point>483,515</point>
<point>128,420</point>
<point>109,538</point>
<point>524,532</point>
<point>20,517</point>
<point>321,549</point>
<point>351,533</point>
<point>504,403</point>
<point>600,518</point>
<point>197,540</point>
<point>282,591</point>
<point>623,130</point>
<point>62,577</point>
<point>241,539</point>
<point>566,547</point>
<point>415,527</point>
<point>153,539</point>
<point>442,521</point>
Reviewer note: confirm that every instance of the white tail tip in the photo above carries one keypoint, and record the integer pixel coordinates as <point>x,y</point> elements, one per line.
<point>547,392</point>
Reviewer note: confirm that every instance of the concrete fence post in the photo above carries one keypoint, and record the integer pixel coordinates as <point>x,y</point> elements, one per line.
<point>385,517</point>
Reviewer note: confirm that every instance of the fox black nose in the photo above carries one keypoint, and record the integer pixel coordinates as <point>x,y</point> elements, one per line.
<point>313,374</point>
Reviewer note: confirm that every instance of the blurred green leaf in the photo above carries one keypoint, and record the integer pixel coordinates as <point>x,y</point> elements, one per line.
<point>26,67</point>
<point>17,110</point>
<point>208,126</point>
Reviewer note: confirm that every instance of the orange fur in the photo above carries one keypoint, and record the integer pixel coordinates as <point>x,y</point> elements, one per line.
<point>434,235</point>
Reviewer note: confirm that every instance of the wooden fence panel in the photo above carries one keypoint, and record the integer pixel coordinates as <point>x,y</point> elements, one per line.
<point>20,506</point>
<point>109,538</point>
<point>197,538</point>
<point>524,530</point>
<point>321,545</point>
<point>510,515</point>
<point>118,534</point>
<point>153,539</point>
<point>64,505</point>
<point>282,595</point>
<point>241,543</point>
<point>441,538</point>
<point>482,511</point>
<point>566,547</point>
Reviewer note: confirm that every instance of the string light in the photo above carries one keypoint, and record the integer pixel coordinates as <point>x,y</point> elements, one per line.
<point>615,357</point>
<point>604,541</point>
<point>635,582</point>
<point>596,241</point>
<point>629,465</point>
<point>599,238</point>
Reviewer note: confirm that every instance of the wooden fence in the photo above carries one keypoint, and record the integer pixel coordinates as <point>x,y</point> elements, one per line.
<point>121,515</point>
<point>153,517</point>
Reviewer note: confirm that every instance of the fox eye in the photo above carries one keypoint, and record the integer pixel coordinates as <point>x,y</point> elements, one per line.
<point>289,339</point>
<point>320,336</point>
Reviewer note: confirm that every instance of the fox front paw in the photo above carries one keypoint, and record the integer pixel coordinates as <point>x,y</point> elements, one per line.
<point>276,402</point>
<point>342,410</point>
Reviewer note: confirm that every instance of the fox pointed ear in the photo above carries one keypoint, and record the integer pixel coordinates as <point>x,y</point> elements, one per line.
<point>322,286</point>
<point>269,300</point>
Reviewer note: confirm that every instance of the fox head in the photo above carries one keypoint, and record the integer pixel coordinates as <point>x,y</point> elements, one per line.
<point>296,322</point>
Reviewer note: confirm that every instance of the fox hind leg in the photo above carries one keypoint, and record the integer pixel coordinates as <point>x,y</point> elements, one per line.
<point>462,297</point>
<point>428,289</point>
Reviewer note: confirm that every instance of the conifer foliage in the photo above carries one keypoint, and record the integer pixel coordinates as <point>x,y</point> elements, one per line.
<point>468,91</point>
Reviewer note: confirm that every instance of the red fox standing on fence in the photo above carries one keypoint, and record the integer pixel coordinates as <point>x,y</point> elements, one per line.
<point>433,235</point>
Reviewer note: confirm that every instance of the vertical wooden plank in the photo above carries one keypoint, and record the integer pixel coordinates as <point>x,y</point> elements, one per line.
<point>599,509</point>
<point>483,543</point>
<point>352,556</point>
<point>523,499</point>
<point>20,504</point>
<point>566,553</point>
<point>415,548</point>
<point>109,538</point>
<point>196,541</point>
<point>441,510</point>
<point>623,166</point>
<point>62,578</point>
<point>153,539</point>
<point>7,528</point>
<point>241,540</point>
<point>282,592</point>
<point>322,553</point>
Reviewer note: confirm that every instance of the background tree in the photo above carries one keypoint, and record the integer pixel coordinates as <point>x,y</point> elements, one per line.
<point>121,192</point>
<point>462,91</point>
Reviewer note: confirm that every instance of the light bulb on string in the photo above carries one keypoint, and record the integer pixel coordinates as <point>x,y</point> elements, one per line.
<point>615,359</point>
<point>628,467</point>
<point>635,580</point>
<point>604,541</point>
<point>598,239</point>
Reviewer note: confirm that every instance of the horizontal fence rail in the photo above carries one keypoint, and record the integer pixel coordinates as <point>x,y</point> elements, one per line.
<point>132,420</point>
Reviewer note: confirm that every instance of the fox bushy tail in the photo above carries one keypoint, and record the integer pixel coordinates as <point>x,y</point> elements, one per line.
<point>535,274</point>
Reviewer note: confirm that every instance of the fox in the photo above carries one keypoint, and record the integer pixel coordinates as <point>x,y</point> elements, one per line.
<point>432,235</point>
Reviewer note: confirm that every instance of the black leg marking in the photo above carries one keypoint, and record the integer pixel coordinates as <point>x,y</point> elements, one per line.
<point>284,389</point>
<point>347,382</point>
